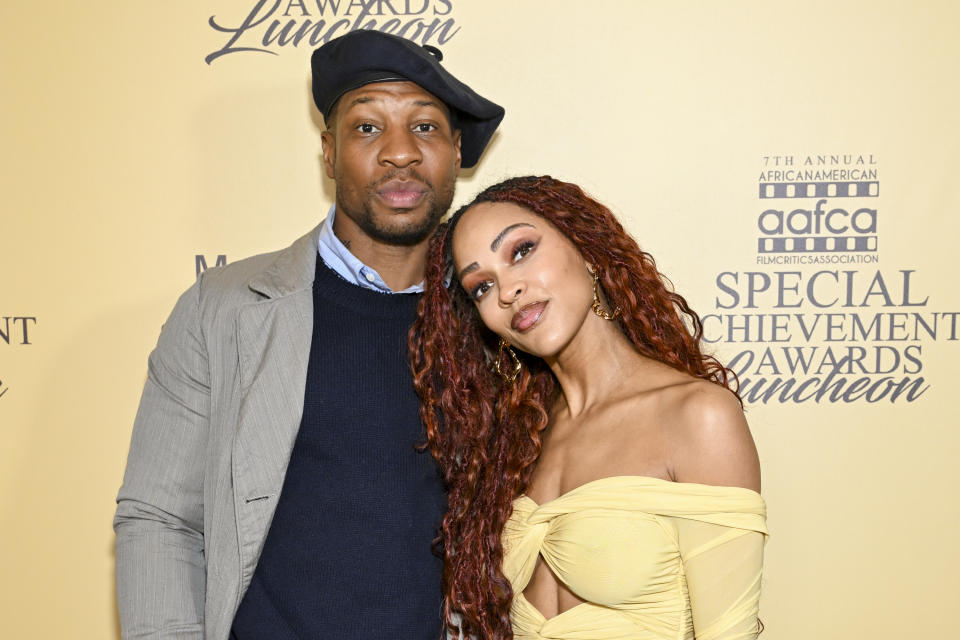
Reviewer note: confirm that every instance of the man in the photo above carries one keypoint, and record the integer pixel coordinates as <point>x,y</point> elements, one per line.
<point>273,488</point>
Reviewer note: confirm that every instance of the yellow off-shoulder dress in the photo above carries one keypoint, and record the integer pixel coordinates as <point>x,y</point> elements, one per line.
<point>653,559</point>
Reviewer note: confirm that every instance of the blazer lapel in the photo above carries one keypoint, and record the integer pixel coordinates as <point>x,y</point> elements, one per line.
<point>273,344</point>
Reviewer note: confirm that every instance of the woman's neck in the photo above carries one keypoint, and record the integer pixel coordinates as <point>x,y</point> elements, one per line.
<point>594,364</point>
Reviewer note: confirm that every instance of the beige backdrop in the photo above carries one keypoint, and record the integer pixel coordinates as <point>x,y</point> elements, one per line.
<point>125,155</point>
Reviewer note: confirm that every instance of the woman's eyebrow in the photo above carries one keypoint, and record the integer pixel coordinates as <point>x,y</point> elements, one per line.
<point>499,239</point>
<point>473,266</point>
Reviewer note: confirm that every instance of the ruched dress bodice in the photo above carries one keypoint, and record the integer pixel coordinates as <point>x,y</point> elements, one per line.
<point>653,559</point>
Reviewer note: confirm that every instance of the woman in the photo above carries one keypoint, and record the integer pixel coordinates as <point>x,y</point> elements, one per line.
<point>602,480</point>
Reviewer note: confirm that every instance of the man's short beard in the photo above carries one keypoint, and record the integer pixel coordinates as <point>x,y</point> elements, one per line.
<point>405,235</point>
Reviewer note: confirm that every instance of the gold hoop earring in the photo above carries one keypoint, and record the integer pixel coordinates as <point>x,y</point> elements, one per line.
<point>511,375</point>
<point>597,309</point>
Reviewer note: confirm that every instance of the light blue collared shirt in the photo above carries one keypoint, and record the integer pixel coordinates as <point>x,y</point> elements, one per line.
<point>336,256</point>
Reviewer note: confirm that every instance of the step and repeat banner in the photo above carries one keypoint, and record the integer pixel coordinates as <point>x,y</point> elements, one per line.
<point>791,165</point>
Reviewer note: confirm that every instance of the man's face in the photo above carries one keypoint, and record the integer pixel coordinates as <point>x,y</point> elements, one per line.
<point>395,158</point>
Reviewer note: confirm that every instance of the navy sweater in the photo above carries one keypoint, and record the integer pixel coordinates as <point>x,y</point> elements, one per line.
<point>348,554</point>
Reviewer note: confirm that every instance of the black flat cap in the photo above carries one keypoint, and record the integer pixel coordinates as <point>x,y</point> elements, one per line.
<point>364,56</point>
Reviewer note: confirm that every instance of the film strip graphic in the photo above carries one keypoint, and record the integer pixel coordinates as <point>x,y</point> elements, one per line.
<point>869,189</point>
<point>817,244</point>
<point>831,244</point>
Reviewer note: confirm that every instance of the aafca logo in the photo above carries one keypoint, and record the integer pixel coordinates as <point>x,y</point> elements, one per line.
<point>270,25</point>
<point>818,204</point>
<point>821,332</point>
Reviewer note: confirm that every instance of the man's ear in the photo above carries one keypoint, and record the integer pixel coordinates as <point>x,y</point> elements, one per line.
<point>457,139</point>
<point>329,144</point>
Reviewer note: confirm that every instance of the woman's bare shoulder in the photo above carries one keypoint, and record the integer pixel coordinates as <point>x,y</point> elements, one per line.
<point>710,439</point>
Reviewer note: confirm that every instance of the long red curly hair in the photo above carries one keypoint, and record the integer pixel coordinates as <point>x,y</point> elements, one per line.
<point>486,433</point>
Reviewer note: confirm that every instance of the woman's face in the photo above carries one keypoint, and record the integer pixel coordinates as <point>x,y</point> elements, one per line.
<point>530,284</point>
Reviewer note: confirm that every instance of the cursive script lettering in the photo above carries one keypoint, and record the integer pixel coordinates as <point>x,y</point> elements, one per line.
<point>272,24</point>
<point>834,387</point>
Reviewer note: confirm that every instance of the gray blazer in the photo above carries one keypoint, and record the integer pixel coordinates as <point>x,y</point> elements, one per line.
<point>217,421</point>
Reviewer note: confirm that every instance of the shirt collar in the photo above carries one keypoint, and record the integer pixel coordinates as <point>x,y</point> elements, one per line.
<point>336,256</point>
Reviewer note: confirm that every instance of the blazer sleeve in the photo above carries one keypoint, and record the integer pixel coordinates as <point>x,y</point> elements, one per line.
<point>723,566</point>
<point>159,519</point>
